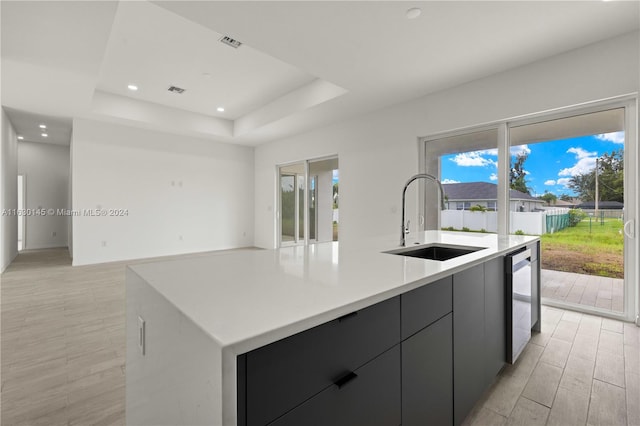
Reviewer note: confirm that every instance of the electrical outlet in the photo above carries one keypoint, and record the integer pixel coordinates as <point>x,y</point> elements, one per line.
<point>104,243</point>
<point>180,237</point>
<point>142,336</point>
<point>53,234</point>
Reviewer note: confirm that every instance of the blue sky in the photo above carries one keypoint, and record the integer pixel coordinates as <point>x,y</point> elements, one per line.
<point>549,165</point>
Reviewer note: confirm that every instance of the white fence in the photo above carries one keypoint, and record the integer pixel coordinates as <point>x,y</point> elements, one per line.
<point>532,223</point>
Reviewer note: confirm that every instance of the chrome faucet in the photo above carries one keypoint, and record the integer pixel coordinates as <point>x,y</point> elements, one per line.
<point>405,230</point>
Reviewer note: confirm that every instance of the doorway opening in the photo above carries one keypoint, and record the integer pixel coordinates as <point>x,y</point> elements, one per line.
<point>308,193</point>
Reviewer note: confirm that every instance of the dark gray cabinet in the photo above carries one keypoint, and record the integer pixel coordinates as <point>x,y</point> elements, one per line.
<point>284,374</point>
<point>427,375</point>
<point>424,357</point>
<point>468,340</point>
<point>425,305</point>
<point>494,318</point>
<point>370,397</point>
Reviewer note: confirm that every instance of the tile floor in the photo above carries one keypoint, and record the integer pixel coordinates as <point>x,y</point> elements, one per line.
<point>586,290</point>
<point>581,369</point>
<point>63,343</point>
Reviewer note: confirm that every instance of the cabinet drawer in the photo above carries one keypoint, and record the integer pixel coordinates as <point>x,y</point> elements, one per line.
<point>372,398</point>
<point>427,375</point>
<point>283,374</point>
<point>424,305</point>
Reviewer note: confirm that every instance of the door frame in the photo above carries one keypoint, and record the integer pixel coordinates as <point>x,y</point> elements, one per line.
<point>632,182</point>
<point>277,211</point>
<point>24,208</point>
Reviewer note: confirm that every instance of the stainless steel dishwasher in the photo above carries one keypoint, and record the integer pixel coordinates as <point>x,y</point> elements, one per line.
<point>518,279</point>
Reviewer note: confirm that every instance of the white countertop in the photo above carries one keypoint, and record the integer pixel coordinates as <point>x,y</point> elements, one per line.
<point>245,300</point>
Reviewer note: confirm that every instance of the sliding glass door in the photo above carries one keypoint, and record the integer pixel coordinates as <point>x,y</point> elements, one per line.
<point>292,199</point>
<point>560,176</point>
<point>308,202</point>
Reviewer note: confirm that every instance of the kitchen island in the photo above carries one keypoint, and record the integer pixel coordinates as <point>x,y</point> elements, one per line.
<point>199,328</point>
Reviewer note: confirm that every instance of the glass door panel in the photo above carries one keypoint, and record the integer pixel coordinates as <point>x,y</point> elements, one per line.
<point>291,209</point>
<point>287,208</point>
<point>568,186</point>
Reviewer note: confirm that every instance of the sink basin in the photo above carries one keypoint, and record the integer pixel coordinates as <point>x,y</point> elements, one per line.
<point>435,251</point>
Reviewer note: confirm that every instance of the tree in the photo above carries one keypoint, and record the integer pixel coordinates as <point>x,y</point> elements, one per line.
<point>549,198</point>
<point>566,197</point>
<point>517,175</point>
<point>610,179</point>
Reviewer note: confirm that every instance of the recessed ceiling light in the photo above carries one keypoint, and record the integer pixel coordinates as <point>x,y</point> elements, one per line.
<point>220,109</point>
<point>132,87</point>
<point>44,135</point>
<point>20,138</point>
<point>43,126</point>
<point>413,13</point>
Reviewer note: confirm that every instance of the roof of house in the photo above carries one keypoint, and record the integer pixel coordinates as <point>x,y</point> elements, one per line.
<point>481,191</point>
<point>590,205</point>
<point>563,203</point>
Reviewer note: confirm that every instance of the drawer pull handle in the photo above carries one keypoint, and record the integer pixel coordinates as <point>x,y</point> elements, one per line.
<point>346,317</point>
<point>342,381</point>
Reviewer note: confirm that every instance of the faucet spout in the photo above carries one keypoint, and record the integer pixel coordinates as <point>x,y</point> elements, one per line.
<point>426,176</point>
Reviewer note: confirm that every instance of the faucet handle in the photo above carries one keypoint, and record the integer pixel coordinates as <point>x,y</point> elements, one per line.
<point>406,228</point>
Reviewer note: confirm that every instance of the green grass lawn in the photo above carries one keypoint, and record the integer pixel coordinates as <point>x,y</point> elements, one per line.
<point>595,249</point>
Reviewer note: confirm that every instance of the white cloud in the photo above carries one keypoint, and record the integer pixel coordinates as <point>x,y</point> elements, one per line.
<point>615,137</point>
<point>563,181</point>
<point>493,176</point>
<point>520,149</point>
<point>493,152</point>
<point>585,164</point>
<point>550,182</point>
<point>450,181</point>
<point>473,159</point>
<point>581,153</point>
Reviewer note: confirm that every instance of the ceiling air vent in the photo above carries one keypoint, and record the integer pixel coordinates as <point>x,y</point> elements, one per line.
<point>230,42</point>
<point>176,89</point>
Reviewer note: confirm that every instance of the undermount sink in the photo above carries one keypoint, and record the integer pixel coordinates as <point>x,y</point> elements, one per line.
<point>436,251</point>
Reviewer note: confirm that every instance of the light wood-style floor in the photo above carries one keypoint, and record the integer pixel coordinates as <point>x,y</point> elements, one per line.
<point>63,341</point>
<point>581,369</point>
<point>63,347</point>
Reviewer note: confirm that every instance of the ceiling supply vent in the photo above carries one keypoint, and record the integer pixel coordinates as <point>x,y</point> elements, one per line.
<point>230,42</point>
<point>175,89</point>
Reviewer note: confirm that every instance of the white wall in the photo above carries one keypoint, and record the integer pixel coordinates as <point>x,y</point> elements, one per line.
<point>8,192</point>
<point>46,171</point>
<point>181,194</point>
<point>378,151</point>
